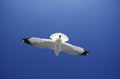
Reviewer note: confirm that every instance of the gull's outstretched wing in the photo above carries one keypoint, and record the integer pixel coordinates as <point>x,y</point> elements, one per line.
<point>73,50</point>
<point>39,42</point>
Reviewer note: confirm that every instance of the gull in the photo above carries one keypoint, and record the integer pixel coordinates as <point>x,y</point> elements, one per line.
<point>57,42</point>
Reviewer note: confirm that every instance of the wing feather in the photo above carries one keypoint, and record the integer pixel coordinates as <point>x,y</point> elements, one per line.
<point>40,42</point>
<point>73,50</point>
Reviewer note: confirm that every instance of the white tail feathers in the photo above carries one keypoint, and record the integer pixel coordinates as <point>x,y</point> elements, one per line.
<point>55,36</point>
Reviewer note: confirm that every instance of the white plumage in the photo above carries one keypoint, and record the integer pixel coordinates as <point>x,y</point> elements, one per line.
<point>57,43</point>
<point>55,36</point>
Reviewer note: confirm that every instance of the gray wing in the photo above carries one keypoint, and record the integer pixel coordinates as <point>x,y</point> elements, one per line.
<point>39,42</point>
<point>73,50</point>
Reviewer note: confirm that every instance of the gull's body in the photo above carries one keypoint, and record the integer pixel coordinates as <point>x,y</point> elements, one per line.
<point>57,46</point>
<point>57,43</point>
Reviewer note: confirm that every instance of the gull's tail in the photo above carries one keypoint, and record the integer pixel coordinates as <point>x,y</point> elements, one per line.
<point>55,36</point>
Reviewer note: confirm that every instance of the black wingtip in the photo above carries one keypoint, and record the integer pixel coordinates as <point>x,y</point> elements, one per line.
<point>26,40</point>
<point>85,53</point>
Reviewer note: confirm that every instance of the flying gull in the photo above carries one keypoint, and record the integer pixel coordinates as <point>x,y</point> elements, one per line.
<point>57,43</point>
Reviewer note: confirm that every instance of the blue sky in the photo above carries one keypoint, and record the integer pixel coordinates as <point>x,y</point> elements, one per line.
<point>91,24</point>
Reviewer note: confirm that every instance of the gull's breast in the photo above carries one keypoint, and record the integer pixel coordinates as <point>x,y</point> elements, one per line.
<point>57,46</point>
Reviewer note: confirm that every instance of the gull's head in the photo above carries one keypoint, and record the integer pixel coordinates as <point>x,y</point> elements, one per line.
<point>61,36</point>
